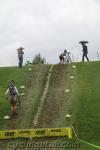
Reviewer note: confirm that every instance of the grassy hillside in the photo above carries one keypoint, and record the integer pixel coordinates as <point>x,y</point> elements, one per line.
<point>88,108</point>
<point>82,102</point>
<point>34,82</point>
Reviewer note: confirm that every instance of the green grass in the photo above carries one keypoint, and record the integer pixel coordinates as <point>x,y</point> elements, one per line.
<point>83,102</point>
<point>34,82</point>
<point>20,76</point>
<point>88,108</point>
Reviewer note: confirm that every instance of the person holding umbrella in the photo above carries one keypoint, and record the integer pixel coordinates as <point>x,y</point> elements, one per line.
<point>20,56</point>
<point>85,50</point>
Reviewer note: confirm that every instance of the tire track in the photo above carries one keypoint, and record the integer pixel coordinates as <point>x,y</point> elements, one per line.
<point>35,121</point>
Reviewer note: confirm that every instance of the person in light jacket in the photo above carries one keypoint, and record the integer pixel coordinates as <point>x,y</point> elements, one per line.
<point>13,92</point>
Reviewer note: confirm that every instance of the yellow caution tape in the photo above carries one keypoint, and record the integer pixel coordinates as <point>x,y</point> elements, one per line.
<point>41,132</point>
<point>7,134</point>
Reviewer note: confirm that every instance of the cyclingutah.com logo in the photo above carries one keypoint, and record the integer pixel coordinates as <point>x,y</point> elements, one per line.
<point>43,145</point>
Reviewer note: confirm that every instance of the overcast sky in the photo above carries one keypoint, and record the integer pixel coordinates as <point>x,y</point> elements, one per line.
<point>48,27</point>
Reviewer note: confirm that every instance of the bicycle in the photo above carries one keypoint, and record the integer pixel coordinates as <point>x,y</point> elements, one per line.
<point>67,58</point>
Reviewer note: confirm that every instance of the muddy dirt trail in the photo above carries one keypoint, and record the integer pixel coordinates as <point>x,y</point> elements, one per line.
<point>39,111</point>
<point>56,105</point>
<point>30,102</point>
<point>56,99</point>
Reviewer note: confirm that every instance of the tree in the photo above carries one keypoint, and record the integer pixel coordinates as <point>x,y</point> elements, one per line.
<point>38,59</point>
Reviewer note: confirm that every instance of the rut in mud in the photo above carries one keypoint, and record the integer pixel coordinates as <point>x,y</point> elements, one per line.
<point>35,121</point>
<point>30,102</point>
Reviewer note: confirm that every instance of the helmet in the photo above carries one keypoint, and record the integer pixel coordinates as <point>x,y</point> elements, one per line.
<point>11,83</point>
<point>65,51</point>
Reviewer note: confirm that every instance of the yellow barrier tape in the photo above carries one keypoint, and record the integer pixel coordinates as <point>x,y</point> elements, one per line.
<point>41,132</point>
<point>7,134</point>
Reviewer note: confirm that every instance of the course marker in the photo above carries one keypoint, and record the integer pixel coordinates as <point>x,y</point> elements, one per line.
<point>68,116</point>
<point>66,91</point>
<point>72,77</point>
<point>22,87</point>
<point>73,66</point>
<point>6,117</point>
<point>30,69</point>
<point>22,94</point>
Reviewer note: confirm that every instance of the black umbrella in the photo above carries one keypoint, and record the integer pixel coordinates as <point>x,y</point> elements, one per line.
<point>83,42</point>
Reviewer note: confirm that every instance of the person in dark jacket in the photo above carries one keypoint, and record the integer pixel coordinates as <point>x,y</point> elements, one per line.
<point>61,57</point>
<point>85,52</point>
<point>20,56</point>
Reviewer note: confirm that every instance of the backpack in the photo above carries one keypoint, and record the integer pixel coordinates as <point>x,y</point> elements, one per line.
<point>12,89</point>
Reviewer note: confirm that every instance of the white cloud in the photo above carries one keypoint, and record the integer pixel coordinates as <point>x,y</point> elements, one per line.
<point>48,27</point>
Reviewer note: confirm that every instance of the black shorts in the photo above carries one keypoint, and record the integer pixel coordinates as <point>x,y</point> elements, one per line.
<point>13,100</point>
<point>61,57</point>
